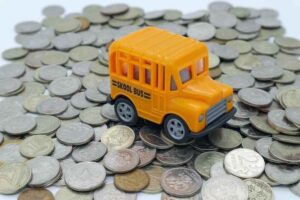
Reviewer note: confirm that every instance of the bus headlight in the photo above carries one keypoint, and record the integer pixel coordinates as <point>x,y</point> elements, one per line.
<point>201,118</point>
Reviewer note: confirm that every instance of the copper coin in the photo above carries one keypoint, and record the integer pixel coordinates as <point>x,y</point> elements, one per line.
<point>36,194</point>
<point>133,181</point>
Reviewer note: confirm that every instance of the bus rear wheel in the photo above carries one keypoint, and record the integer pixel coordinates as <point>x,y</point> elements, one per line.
<point>176,129</point>
<point>126,111</point>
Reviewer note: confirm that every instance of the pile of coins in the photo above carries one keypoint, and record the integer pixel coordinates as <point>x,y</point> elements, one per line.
<point>58,129</point>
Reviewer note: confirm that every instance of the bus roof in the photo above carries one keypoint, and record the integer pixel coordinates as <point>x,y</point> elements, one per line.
<point>159,45</point>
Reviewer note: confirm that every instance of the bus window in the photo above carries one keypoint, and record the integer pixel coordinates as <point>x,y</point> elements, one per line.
<point>148,76</point>
<point>200,66</point>
<point>124,68</point>
<point>136,72</point>
<point>186,74</point>
<point>173,86</point>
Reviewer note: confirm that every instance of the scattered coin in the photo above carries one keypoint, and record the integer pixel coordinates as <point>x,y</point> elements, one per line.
<point>255,97</point>
<point>36,194</point>
<point>259,189</point>
<point>66,193</point>
<point>229,187</point>
<point>93,151</point>
<point>14,177</point>
<point>85,176</point>
<point>61,151</point>
<point>20,125</point>
<point>118,137</point>
<point>146,154</point>
<point>133,181</point>
<point>217,169</point>
<point>109,191</point>
<point>45,125</point>
<point>225,138</point>
<point>175,156</point>
<point>262,146</point>
<point>52,106</point>
<point>154,172</point>
<point>285,152</point>
<point>251,164</point>
<point>283,174</point>
<point>150,136</point>
<point>10,153</point>
<point>92,116</point>
<point>121,161</point>
<point>64,86</point>
<point>37,145</point>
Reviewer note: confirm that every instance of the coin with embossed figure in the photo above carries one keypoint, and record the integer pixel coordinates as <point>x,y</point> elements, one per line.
<point>146,154</point>
<point>259,189</point>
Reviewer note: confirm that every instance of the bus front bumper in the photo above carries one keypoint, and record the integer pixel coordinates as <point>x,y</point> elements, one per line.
<point>214,125</point>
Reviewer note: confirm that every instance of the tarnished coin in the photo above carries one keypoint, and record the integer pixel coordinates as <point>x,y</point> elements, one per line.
<point>52,106</point>
<point>181,182</point>
<point>36,194</point>
<point>260,122</point>
<point>150,136</point>
<point>146,154</point>
<point>252,132</point>
<point>262,146</point>
<point>20,125</point>
<point>121,161</point>
<point>229,187</point>
<point>277,120</point>
<point>61,151</point>
<point>175,156</point>
<point>203,144</point>
<point>45,125</point>
<point>75,134</point>
<point>285,152</point>
<point>238,81</point>
<point>118,137</point>
<point>201,31</point>
<point>85,176</point>
<point>9,86</point>
<point>283,174</point>
<point>133,181</point>
<point>37,145</point>
<point>14,177</point>
<point>45,171</point>
<point>154,172</point>
<point>68,194</point>
<point>259,189</point>
<point>84,53</point>
<point>251,164</point>
<point>109,191</point>
<point>92,151</point>
<point>65,86</point>
<point>217,169</point>
<point>10,153</point>
<point>108,111</point>
<point>206,160</point>
<point>92,116</point>
<point>225,138</point>
<point>255,97</point>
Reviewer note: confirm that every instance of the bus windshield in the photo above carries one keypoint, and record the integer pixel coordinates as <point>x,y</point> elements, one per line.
<point>186,73</point>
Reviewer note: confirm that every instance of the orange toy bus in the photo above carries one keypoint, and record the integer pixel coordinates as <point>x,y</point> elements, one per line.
<point>163,77</point>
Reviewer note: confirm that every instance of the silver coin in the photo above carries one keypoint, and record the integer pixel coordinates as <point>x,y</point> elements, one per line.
<point>79,101</point>
<point>82,68</point>
<point>121,161</point>
<point>66,193</point>
<point>255,97</point>
<point>85,176</point>
<point>10,153</point>
<point>244,111</point>
<point>61,151</point>
<point>149,135</point>
<point>181,182</point>
<point>225,138</point>
<point>45,125</point>
<point>52,106</point>
<point>174,28</point>
<point>230,187</point>
<point>108,111</point>
<point>248,27</point>
<point>28,27</point>
<point>238,81</point>
<point>114,9</point>
<point>201,31</point>
<point>222,19</point>
<point>109,191</point>
<point>175,156</point>
<point>51,72</point>
<point>13,70</point>
<point>93,151</point>
<point>218,169</point>
<point>9,86</point>
<point>20,125</point>
<point>283,174</point>
<point>75,134</point>
<point>67,41</point>
<point>65,86</point>
<point>95,96</point>
<point>219,6</point>
<point>70,113</point>
<point>251,132</point>
<point>226,52</point>
<point>285,152</point>
<point>44,169</point>
<point>92,116</point>
<point>251,164</point>
<point>53,11</point>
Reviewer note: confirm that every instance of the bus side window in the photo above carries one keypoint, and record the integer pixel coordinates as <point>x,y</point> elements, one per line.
<point>148,76</point>
<point>136,72</point>
<point>124,68</point>
<point>186,74</point>
<point>173,86</point>
<point>200,66</point>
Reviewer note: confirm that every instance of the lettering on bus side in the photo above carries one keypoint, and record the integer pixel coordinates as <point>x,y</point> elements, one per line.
<point>133,90</point>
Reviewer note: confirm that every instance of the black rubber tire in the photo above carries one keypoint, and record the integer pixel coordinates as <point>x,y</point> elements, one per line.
<point>135,117</point>
<point>185,138</point>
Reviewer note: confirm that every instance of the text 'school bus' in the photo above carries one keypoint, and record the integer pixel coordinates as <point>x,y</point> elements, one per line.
<point>163,77</point>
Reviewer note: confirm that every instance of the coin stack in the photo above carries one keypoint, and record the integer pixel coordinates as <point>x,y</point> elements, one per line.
<point>57,128</point>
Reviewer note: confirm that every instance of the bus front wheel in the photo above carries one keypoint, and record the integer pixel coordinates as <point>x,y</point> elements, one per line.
<point>175,128</point>
<point>126,111</point>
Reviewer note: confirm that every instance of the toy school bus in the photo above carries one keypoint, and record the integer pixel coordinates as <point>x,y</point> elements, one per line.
<point>163,77</point>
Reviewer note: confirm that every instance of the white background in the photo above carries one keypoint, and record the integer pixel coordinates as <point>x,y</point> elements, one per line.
<point>14,11</point>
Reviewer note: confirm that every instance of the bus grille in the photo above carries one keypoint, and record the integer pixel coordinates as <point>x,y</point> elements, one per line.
<point>216,111</point>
